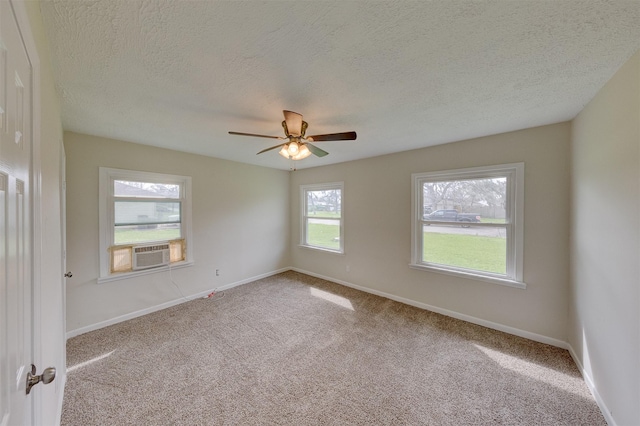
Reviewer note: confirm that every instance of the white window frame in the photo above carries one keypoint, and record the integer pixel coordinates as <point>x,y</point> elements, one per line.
<point>514,172</point>
<point>304,217</point>
<point>106,219</point>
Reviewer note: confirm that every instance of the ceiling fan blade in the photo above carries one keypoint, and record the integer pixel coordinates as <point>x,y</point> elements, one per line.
<point>345,136</point>
<point>294,122</point>
<point>269,149</point>
<point>256,135</point>
<point>316,151</point>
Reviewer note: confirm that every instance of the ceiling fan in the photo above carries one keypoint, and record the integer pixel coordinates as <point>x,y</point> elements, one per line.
<point>297,145</point>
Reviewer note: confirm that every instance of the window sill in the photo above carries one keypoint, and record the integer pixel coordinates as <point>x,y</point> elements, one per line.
<point>494,280</point>
<point>326,250</point>
<point>127,275</point>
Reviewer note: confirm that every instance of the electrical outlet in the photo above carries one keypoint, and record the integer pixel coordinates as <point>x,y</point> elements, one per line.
<point>348,268</point>
<point>217,272</point>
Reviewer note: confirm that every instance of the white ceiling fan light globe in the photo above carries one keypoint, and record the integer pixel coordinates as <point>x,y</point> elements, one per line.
<point>284,152</point>
<point>293,148</point>
<point>302,153</point>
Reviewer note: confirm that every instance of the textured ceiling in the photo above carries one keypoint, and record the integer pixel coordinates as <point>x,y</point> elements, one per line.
<point>402,74</point>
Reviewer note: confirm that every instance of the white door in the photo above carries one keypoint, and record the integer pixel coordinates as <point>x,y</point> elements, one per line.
<point>63,241</point>
<point>16,227</point>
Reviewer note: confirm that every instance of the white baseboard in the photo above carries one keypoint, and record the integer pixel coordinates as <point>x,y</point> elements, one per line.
<point>493,325</point>
<point>121,318</point>
<point>592,387</point>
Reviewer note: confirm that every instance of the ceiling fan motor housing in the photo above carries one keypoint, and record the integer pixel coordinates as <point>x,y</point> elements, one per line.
<point>299,134</point>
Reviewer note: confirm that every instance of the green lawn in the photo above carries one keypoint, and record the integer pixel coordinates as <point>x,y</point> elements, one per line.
<point>491,220</point>
<point>466,251</point>
<point>128,236</point>
<point>323,235</point>
<point>323,214</point>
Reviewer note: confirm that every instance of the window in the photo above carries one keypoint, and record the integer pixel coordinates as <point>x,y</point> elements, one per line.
<point>469,222</point>
<point>322,226</point>
<point>144,221</point>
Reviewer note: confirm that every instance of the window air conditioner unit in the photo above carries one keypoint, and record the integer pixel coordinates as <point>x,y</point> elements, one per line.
<point>150,256</point>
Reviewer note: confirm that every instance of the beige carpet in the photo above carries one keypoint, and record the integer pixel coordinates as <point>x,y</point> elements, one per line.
<point>296,350</point>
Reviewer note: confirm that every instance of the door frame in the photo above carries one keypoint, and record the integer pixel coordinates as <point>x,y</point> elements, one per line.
<point>24,26</point>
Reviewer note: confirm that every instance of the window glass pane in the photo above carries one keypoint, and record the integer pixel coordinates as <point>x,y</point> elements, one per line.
<point>484,197</point>
<point>323,233</point>
<point>133,234</point>
<point>140,212</point>
<point>325,203</point>
<point>123,188</point>
<point>476,248</point>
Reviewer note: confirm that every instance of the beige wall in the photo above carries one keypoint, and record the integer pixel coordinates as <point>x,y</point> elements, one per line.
<point>377,204</point>
<point>605,229</point>
<point>240,226</point>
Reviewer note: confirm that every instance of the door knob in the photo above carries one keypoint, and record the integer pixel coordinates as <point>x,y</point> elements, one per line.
<point>68,274</point>
<point>46,377</point>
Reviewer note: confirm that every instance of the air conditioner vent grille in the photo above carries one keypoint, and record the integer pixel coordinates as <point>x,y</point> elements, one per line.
<point>150,256</point>
<point>151,248</point>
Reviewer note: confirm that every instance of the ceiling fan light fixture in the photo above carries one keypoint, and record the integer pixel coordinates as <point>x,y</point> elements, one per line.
<point>284,152</point>
<point>293,148</point>
<point>303,153</point>
<point>298,146</point>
